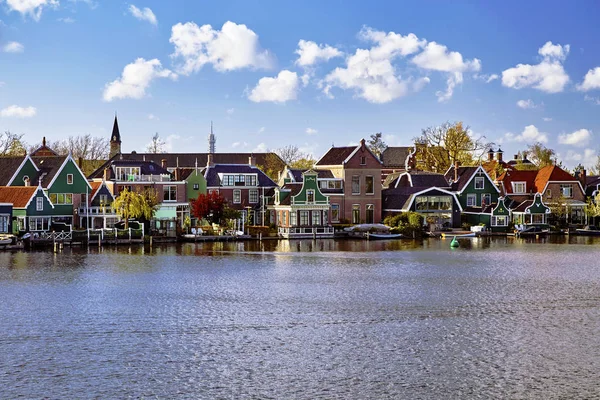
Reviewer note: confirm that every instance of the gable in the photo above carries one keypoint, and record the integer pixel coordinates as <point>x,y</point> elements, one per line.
<point>59,183</point>
<point>26,169</point>
<point>501,208</point>
<point>538,206</point>
<point>309,182</point>
<point>32,205</point>
<point>477,175</point>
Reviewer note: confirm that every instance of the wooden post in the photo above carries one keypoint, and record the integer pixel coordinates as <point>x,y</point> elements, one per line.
<point>150,241</point>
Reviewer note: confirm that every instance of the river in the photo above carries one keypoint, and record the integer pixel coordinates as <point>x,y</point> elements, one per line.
<point>495,318</point>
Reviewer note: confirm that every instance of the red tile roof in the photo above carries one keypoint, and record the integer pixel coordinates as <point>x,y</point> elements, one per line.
<point>551,173</point>
<point>518,176</point>
<point>19,196</point>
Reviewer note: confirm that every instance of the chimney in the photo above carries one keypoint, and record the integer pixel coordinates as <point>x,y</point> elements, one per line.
<point>80,162</point>
<point>455,171</point>
<point>362,144</point>
<point>105,176</point>
<point>163,163</point>
<point>582,176</point>
<point>516,157</point>
<point>26,181</point>
<point>524,156</point>
<point>491,154</point>
<point>177,174</point>
<point>251,160</point>
<point>44,141</point>
<point>209,160</point>
<point>499,154</point>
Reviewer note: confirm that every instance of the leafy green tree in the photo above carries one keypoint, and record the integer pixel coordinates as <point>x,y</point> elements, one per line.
<point>376,144</point>
<point>11,144</point>
<point>130,204</point>
<point>592,210</point>
<point>304,164</point>
<point>540,155</point>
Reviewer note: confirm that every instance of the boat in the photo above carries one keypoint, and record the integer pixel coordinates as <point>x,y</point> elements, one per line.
<point>6,240</point>
<point>532,231</point>
<point>458,236</point>
<point>588,230</point>
<point>384,236</point>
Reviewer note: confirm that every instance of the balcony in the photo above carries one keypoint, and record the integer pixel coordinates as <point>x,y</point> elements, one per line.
<point>295,232</point>
<point>142,178</point>
<point>83,211</point>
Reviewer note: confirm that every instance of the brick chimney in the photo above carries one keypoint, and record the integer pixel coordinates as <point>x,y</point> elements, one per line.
<point>362,144</point>
<point>209,160</point>
<point>499,154</point>
<point>163,163</point>
<point>455,171</point>
<point>80,162</point>
<point>251,160</point>
<point>491,154</point>
<point>581,176</point>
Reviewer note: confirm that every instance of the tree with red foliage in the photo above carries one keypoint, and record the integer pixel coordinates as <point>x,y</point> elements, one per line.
<point>209,206</point>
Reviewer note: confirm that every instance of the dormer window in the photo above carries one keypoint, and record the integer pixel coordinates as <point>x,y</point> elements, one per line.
<point>519,187</point>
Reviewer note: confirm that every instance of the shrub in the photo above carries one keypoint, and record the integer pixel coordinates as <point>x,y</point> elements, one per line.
<point>415,219</point>
<point>466,226</point>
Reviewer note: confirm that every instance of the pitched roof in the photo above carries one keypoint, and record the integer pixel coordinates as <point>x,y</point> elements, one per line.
<point>19,196</point>
<point>43,150</point>
<point>551,173</point>
<point>515,175</point>
<point>418,179</point>
<point>395,157</point>
<point>189,160</point>
<point>464,176</point>
<point>293,189</point>
<point>48,167</point>
<point>336,155</point>
<point>116,135</point>
<point>146,168</point>
<point>212,177</point>
<point>321,174</point>
<point>8,167</point>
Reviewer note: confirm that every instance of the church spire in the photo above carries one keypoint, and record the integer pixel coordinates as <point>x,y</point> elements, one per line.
<point>211,140</point>
<point>115,139</point>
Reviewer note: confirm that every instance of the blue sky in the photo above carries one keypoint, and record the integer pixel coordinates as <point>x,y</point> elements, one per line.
<point>516,72</point>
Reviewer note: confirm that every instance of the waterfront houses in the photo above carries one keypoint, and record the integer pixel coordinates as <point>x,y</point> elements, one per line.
<point>31,209</point>
<point>360,172</point>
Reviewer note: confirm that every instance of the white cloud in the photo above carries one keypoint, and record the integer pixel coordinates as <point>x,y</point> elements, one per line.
<point>591,99</point>
<point>485,77</point>
<point>305,78</point>
<point>236,145</point>
<point>548,76</point>
<point>311,131</point>
<point>153,117</point>
<point>135,79</point>
<point>530,134</point>
<point>280,89</point>
<point>370,73</point>
<point>547,119</point>
<point>578,138</point>
<point>32,8</point>
<point>310,53</point>
<point>230,111</point>
<point>90,3</point>
<point>67,20</point>
<point>144,14</point>
<point>436,57</point>
<point>587,159</point>
<point>233,47</point>
<point>260,148</point>
<point>18,112</point>
<point>13,47</point>
<point>527,104</point>
<point>261,129</point>
<point>590,81</point>
<point>420,83</point>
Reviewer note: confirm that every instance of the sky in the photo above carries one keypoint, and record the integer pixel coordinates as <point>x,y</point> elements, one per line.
<point>310,74</point>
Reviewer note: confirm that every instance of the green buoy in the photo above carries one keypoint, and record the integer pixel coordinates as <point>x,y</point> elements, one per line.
<point>454,243</point>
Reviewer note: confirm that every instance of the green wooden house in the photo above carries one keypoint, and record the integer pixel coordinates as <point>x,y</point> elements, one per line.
<point>531,212</point>
<point>32,210</point>
<point>301,209</point>
<point>500,218</point>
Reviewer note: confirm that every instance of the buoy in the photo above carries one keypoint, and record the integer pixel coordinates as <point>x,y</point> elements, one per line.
<point>454,242</point>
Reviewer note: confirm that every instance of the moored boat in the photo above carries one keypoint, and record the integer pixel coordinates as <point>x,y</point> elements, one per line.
<point>458,236</point>
<point>532,231</point>
<point>383,236</point>
<point>588,230</point>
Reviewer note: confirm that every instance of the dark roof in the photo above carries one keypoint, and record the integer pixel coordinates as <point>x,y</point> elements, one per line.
<point>591,184</point>
<point>48,167</point>
<point>321,174</point>
<point>521,207</point>
<point>336,155</point>
<point>189,160</point>
<point>398,198</point>
<point>116,135</point>
<point>420,179</point>
<point>43,150</point>
<point>395,157</point>
<point>293,189</point>
<point>8,167</point>
<point>212,178</point>
<point>147,168</point>
<point>464,174</point>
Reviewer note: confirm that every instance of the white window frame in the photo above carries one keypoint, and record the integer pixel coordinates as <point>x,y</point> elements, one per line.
<point>516,185</point>
<point>310,193</point>
<point>471,200</point>
<point>5,223</point>
<point>484,195</point>
<point>237,196</point>
<point>304,218</point>
<point>293,218</point>
<point>39,203</point>
<point>170,200</point>
<point>570,190</point>
<point>495,220</point>
<point>479,181</point>
<point>316,217</point>
<point>356,207</point>
<point>253,196</point>
<point>69,179</point>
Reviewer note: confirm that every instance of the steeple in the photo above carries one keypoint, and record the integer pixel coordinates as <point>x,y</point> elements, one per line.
<point>115,139</point>
<point>211,140</point>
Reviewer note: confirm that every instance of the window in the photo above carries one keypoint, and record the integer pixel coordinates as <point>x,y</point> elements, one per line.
<point>331,184</point>
<point>169,193</point>
<point>499,220</point>
<point>21,223</point>
<point>479,182</point>
<point>363,160</point>
<point>250,180</point>
<point>61,198</point>
<point>421,203</point>
<point>196,186</point>
<point>103,198</point>
<point>227,180</point>
<point>316,217</point>
<point>310,196</point>
<point>433,203</point>
<point>127,173</point>
<point>4,223</point>
<point>303,217</point>
<point>335,212</point>
<point>369,186</point>
<point>471,200</point>
<point>356,213</point>
<point>39,203</point>
<point>69,179</point>
<point>39,223</point>
<point>277,201</point>
<point>25,178</point>
<point>325,221</point>
<point>254,196</point>
<point>486,199</point>
<point>355,184</point>
<point>519,187</point>
<point>566,190</point>
<point>237,196</point>
<point>293,217</point>
<point>548,193</point>
<point>538,219</point>
<point>370,217</point>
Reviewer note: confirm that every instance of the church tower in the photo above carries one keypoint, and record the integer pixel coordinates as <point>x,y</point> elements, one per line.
<point>115,140</point>
<point>211,140</point>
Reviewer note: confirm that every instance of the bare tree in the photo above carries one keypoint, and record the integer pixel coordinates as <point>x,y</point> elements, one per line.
<point>157,145</point>
<point>290,154</point>
<point>441,146</point>
<point>11,144</point>
<point>86,147</point>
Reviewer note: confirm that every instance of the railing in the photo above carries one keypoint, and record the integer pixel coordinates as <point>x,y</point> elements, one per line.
<point>306,231</point>
<point>115,233</point>
<point>57,235</point>
<point>97,211</point>
<point>143,178</point>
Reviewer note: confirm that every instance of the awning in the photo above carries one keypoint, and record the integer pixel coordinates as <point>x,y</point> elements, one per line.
<point>166,212</point>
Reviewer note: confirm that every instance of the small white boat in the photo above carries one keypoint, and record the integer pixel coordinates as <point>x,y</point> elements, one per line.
<point>5,240</point>
<point>384,236</point>
<point>453,235</point>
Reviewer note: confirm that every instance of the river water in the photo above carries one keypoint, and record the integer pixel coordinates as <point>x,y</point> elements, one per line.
<point>495,318</point>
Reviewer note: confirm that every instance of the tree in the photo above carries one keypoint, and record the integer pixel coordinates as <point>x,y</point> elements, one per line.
<point>134,205</point>
<point>11,144</point>
<point>272,165</point>
<point>157,145</point>
<point>209,206</point>
<point>304,164</point>
<point>441,146</point>
<point>592,209</point>
<point>376,144</point>
<point>540,155</point>
<point>595,169</point>
<point>290,154</point>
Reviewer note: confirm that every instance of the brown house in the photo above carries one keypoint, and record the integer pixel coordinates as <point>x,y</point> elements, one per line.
<point>360,171</point>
